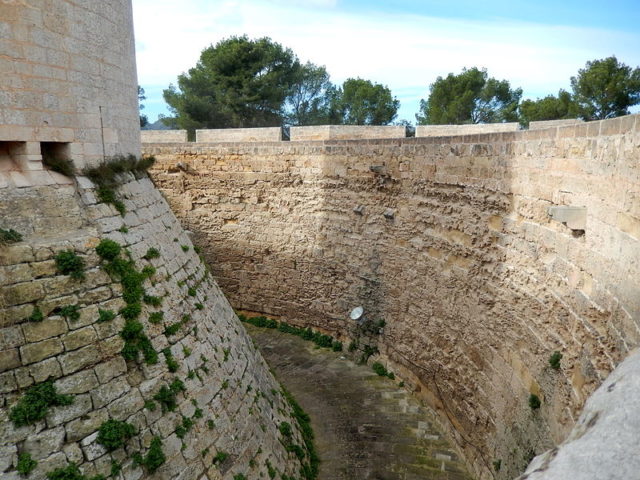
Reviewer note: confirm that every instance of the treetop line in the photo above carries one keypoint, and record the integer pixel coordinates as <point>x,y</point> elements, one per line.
<point>244,83</point>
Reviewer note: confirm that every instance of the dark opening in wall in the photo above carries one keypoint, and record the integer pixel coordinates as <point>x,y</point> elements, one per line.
<point>56,156</point>
<point>8,155</point>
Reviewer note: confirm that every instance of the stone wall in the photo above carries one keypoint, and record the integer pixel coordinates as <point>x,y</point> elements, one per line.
<point>553,123</point>
<point>346,132</point>
<point>267,134</point>
<point>231,398</point>
<point>69,77</point>
<point>163,136</point>
<point>452,130</point>
<point>449,241</point>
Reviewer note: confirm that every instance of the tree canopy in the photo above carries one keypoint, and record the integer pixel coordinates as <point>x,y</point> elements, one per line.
<point>548,108</point>
<point>606,88</point>
<point>309,103</point>
<point>469,97</point>
<point>362,102</point>
<point>236,83</point>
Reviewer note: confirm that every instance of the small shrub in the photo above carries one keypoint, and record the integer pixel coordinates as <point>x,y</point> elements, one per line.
<point>554,360</point>
<point>166,396</point>
<point>151,253</point>
<point>336,346</point>
<point>70,472</point>
<point>35,403</point>
<point>105,315</point>
<point>9,236</point>
<point>108,249</point>
<point>239,476</point>
<point>199,306</point>
<point>36,315</point>
<point>184,427</point>
<point>211,424</point>
<point>185,248</point>
<point>156,317</point>
<point>192,292</point>
<point>220,457</point>
<point>70,312</point>
<point>497,464</point>
<point>353,346</point>
<point>534,401</point>
<point>150,405</point>
<point>69,263</point>
<point>198,413</point>
<point>225,384</point>
<point>25,464</point>
<point>135,341</point>
<point>114,434</point>
<point>186,351</point>
<point>123,229</point>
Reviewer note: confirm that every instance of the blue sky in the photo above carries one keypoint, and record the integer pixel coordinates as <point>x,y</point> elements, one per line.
<point>403,44</point>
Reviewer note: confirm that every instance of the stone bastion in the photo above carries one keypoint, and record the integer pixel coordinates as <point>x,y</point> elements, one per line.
<point>484,254</point>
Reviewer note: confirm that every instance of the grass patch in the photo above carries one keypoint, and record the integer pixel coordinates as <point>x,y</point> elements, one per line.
<point>156,317</point>
<point>35,403</point>
<point>70,312</point>
<point>108,249</point>
<point>381,370</point>
<point>554,360</point>
<point>154,458</point>
<point>36,315</point>
<point>166,396</point>
<point>151,253</point>
<point>534,401</point>
<point>310,465</point>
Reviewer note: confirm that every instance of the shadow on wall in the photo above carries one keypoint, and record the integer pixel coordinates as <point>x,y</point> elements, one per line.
<point>448,240</point>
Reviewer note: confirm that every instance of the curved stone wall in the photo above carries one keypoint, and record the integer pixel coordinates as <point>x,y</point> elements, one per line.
<point>450,241</point>
<point>232,405</point>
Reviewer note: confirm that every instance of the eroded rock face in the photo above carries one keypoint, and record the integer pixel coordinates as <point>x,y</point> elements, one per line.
<point>231,402</point>
<point>449,240</point>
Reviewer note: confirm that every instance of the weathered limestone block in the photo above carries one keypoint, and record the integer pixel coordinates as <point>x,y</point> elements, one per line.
<point>40,445</point>
<point>79,359</point>
<point>107,393</point>
<point>51,327</point>
<point>59,415</point>
<point>34,352</point>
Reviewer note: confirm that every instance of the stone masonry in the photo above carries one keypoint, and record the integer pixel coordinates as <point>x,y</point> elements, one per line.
<point>450,241</point>
<point>241,407</point>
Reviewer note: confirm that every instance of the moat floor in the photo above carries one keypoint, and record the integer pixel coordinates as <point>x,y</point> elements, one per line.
<point>366,427</point>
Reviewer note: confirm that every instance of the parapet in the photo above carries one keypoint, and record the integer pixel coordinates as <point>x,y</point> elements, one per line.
<point>346,132</point>
<point>163,136</point>
<point>267,134</point>
<point>471,129</point>
<point>554,123</point>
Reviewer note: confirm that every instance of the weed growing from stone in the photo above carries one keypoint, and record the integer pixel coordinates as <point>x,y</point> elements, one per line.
<point>554,360</point>
<point>310,468</point>
<point>108,249</point>
<point>148,271</point>
<point>36,315</point>
<point>35,403</point>
<point>25,464</point>
<point>135,341</point>
<point>150,405</point>
<point>105,315</point>
<point>9,236</point>
<point>534,401</point>
<point>156,317</point>
<point>186,351</point>
<point>497,464</point>
<point>191,374</point>
<point>70,472</point>
<point>172,363</point>
<point>154,458</point>
<point>270,470</point>
<point>152,300</point>
<point>192,292</point>
<point>70,312</point>
<point>239,476</point>
<point>381,370</point>
<point>58,164</point>
<point>152,253</point>
<point>69,263</point>
<point>172,329</point>
<point>166,396</point>
<point>198,413</point>
<point>114,434</point>
<point>199,306</point>
<point>123,229</point>
<point>285,429</point>
<point>226,352</point>
<point>211,424</point>
<point>184,428</point>
<point>336,346</point>
<point>220,457</point>
<point>115,468</point>
<point>185,248</point>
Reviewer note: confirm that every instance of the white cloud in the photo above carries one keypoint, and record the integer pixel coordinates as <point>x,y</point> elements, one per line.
<point>406,52</point>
